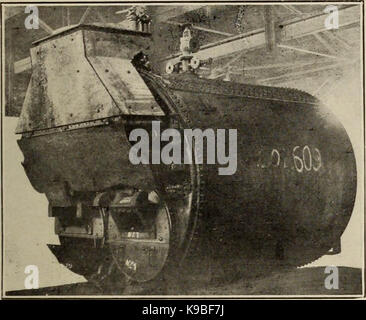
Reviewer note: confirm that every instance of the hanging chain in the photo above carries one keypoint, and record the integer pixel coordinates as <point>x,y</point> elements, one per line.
<point>239,19</point>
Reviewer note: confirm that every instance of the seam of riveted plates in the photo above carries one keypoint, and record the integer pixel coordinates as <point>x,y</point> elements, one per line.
<point>85,124</point>
<point>69,127</point>
<point>180,109</point>
<point>240,90</point>
<point>201,181</point>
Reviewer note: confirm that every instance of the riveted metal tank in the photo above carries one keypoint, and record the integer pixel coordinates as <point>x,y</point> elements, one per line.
<point>288,202</point>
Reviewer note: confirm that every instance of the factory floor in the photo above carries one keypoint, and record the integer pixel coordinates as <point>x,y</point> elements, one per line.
<point>299,282</point>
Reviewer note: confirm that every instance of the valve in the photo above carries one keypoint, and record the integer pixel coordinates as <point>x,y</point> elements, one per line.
<point>187,61</point>
<point>195,63</point>
<point>170,68</point>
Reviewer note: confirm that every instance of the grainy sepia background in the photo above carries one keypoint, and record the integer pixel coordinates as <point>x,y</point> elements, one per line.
<point>27,227</point>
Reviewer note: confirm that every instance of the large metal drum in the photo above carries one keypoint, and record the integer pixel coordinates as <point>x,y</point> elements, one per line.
<point>293,192</point>
<point>287,203</point>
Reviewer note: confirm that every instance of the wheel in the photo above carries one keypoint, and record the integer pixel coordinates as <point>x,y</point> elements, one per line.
<point>87,258</point>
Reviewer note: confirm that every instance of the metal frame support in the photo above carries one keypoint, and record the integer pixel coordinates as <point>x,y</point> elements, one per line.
<point>269,28</point>
<point>256,38</point>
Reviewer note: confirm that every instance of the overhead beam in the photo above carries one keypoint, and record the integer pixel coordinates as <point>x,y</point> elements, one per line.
<point>340,40</point>
<point>229,63</point>
<point>308,26</point>
<point>305,72</point>
<point>291,65</point>
<point>324,42</point>
<point>256,38</point>
<point>100,16</point>
<point>319,54</point>
<point>299,73</point>
<point>269,27</point>
<point>10,12</point>
<point>318,89</point>
<point>123,11</point>
<point>45,26</point>
<point>84,16</point>
<point>227,46</point>
<point>65,13</point>
<point>164,13</point>
<point>201,28</point>
<point>22,65</point>
<point>87,12</point>
<point>216,75</point>
<point>293,9</point>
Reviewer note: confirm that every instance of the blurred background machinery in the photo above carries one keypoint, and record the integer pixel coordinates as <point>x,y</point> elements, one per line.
<point>276,45</point>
